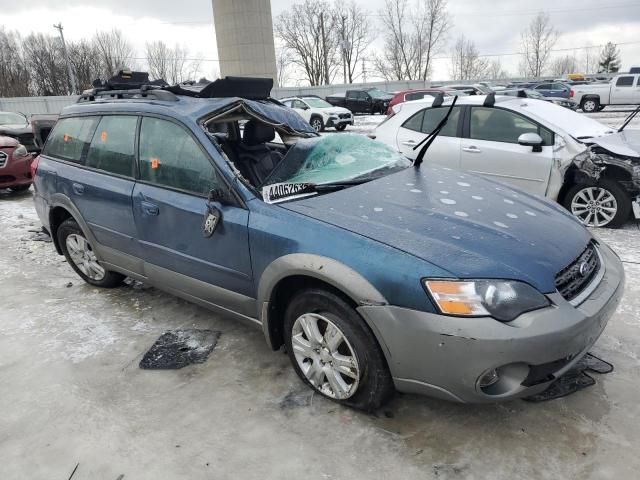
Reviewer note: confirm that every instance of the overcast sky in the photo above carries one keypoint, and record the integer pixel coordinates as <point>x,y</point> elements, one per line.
<point>494,25</point>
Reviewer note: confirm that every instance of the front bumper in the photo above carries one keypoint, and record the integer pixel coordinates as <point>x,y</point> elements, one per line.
<point>335,121</point>
<point>444,357</point>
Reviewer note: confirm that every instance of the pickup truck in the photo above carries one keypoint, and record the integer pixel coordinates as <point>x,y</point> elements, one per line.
<point>364,100</point>
<point>621,90</point>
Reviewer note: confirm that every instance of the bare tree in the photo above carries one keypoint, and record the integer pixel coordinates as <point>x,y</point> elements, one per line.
<point>14,75</point>
<point>563,65</point>
<point>307,30</point>
<point>495,70</point>
<point>283,64</point>
<point>354,35</point>
<point>115,51</point>
<point>466,63</point>
<point>45,62</point>
<point>590,60</point>
<point>415,34</point>
<point>536,43</point>
<point>169,64</point>
<point>85,61</point>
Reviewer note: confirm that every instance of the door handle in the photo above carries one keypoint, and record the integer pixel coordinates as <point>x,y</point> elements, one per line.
<point>78,188</point>
<point>410,143</point>
<point>472,149</point>
<point>150,208</point>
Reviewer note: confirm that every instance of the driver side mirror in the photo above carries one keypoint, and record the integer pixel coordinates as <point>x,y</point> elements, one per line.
<point>221,196</point>
<point>531,140</point>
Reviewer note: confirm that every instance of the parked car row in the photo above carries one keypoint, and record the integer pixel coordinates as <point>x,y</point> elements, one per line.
<point>375,273</point>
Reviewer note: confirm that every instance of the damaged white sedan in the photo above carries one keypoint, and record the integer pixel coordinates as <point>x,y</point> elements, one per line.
<point>590,168</point>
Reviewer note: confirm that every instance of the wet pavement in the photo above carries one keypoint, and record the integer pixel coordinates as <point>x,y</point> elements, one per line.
<point>72,393</point>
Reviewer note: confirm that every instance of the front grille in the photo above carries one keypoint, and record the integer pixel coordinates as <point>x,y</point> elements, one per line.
<point>3,159</point>
<point>574,278</point>
<point>345,115</point>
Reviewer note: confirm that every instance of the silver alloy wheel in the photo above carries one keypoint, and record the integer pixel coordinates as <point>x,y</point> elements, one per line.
<point>589,106</point>
<point>316,123</point>
<point>325,356</point>
<point>84,258</point>
<point>594,206</point>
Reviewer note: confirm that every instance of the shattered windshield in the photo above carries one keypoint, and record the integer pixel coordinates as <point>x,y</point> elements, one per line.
<point>336,158</point>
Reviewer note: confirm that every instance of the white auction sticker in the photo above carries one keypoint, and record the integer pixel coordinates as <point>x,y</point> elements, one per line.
<point>286,191</point>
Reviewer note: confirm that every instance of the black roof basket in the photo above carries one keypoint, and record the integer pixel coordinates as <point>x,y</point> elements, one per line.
<point>128,84</point>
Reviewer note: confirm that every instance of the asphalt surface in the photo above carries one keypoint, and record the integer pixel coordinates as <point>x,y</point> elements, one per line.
<point>72,394</point>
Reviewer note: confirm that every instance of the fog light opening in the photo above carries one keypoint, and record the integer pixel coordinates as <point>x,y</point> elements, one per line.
<point>488,379</point>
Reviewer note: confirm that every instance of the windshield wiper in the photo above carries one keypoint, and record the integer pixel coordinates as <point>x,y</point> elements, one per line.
<point>432,136</point>
<point>628,119</point>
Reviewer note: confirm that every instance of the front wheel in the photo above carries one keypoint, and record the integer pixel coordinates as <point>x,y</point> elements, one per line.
<point>603,205</point>
<point>590,105</point>
<point>317,124</point>
<point>334,352</point>
<point>80,255</point>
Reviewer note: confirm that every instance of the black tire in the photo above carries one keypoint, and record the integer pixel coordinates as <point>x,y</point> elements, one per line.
<point>623,201</point>
<point>317,123</point>
<point>375,385</point>
<point>590,104</point>
<point>69,227</point>
<point>601,107</point>
<point>20,188</point>
<point>341,127</point>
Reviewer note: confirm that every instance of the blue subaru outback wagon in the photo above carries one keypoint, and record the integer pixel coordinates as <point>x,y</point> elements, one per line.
<point>374,274</point>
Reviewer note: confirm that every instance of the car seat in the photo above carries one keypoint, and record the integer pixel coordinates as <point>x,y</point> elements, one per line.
<point>255,159</point>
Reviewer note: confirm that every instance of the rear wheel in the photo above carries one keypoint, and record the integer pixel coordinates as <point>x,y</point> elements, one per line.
<point>334,352</point>
<point>80,255</point>
<point>590,105</point>
<point>341,127</point>
<point>603,205</point>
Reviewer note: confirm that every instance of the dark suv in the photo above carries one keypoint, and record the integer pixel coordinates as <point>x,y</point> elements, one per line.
<point>371,274</point>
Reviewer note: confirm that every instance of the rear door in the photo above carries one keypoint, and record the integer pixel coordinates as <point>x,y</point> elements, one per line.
<point>624,90</point>
<point>171,210</point>
<point>491,148</point>
<point>445,150</point>
<point>99,174</point>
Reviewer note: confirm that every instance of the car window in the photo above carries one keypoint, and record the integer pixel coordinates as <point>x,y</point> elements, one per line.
<point>543,86</point>
<point>298,104</point>
<point>418,95</point>
<point>113,146</point>
<point>415,122</point>
<point>288,103</point>
<point>70,138</point>
<point>169,156</point>
<point>433,116</point>
<point>624,81</point>
<point>352,94</point>
<point>558,87</point>
<point>363,95</point>
<point>497,125</point>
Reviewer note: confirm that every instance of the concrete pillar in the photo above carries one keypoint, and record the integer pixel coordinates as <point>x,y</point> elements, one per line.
<point>244,33</point>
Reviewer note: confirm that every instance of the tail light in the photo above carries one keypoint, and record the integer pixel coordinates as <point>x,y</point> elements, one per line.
<point>34,166</point>
<point>571,93</point>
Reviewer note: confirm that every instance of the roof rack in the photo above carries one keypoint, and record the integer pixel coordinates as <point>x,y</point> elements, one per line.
<point>131,85</point>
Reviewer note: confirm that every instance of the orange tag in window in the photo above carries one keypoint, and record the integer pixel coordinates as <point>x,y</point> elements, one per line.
<point>103,137</point>
<point>66,137</point>
<point>154,163</point>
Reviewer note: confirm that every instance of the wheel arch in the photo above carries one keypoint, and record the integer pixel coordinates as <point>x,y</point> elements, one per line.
<point>291,273</point>
<point>62,208</point>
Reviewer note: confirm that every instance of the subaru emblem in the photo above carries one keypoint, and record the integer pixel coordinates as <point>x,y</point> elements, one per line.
<point>583,269</point>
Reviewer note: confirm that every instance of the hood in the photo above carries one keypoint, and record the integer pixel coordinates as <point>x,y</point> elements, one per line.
<point>7,142</point>
<point>625,143</point>
<point>15,129</point>
<point>465,224</point>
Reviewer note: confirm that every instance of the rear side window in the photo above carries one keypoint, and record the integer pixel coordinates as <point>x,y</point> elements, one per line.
<point>113,146</point>
<point>169,156</point>
<point>433,116</point>
<point>415,122</point>
<point>544,86</point>
<point>624,82</point>
<point>496,125</point>
<point>70,138</point>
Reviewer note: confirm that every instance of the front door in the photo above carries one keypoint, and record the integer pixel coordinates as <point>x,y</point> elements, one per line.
<point>302,108</point>
<point>492,149</point>
<point>172,216</point>
<point>445,150</point>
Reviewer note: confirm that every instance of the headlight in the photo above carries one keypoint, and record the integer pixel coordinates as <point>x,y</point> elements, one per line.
<point>503,300</point>
<point>20,151</point>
